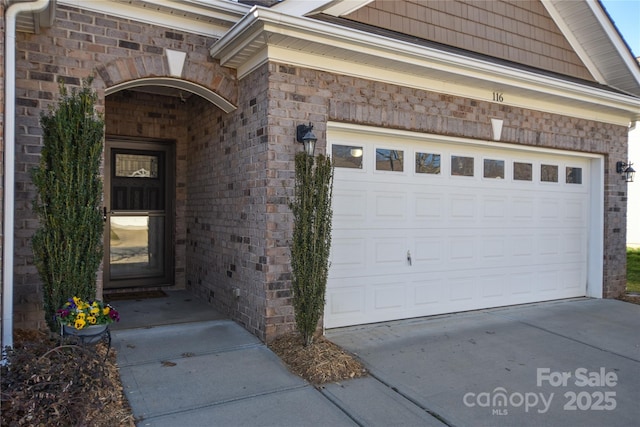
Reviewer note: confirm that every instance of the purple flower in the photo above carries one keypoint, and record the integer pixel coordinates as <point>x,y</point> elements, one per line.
<point>63,312</point>
<point>114,315</point>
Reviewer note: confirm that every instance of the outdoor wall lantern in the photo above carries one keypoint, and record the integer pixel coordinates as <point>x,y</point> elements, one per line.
<point>305,135</point>
<point>626,171</point>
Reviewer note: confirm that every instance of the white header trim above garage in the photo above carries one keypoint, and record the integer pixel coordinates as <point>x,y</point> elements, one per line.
<point>266,35</point>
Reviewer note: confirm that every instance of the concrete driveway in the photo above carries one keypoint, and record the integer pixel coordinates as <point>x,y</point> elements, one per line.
<point>563,363</point>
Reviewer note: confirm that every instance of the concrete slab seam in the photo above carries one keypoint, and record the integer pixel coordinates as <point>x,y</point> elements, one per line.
<point>428,410</point>
<point>192,355</point>
<point>338,404</point>
<point>224,402</point>
<point>564,336</point>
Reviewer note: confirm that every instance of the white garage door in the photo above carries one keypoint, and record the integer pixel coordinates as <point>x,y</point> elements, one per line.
<point>423,228</point>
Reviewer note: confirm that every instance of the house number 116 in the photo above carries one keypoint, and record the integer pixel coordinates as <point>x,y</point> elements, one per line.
<point>497,97</point>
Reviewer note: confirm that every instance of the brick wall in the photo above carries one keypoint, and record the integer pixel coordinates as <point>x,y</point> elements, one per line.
<point>227,188</point>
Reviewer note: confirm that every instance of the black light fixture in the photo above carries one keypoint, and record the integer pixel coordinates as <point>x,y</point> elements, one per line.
<point>625,170</point>
<point>305,135</point>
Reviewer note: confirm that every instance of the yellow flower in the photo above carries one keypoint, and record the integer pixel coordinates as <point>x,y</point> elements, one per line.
<point>79,323</point>
<point>106,310</point>
<point>92,320</point>
<point>94,310</point>
<point>76,301</point>
<point>81,315</point>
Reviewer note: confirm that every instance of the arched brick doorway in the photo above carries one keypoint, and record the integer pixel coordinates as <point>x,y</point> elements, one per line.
<point>148,126</point>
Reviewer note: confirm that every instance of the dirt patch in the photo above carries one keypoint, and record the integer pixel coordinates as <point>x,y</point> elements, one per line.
<point>320,363</point>
<point>61,384</point>
<point>632,298</point>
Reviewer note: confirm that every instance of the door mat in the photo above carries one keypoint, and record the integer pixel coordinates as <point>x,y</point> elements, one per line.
<point>124,296</point>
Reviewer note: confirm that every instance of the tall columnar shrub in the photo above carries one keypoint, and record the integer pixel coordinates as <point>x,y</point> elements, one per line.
<point>68,245</point>
<point>311,242</point>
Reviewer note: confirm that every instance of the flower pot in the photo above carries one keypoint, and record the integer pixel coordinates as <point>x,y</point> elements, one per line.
<point>88,335</point>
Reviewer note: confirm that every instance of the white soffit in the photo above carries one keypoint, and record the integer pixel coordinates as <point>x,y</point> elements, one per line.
<point>342,7</point>
<point>32,22</point>
<point>265,34</point>
<point>209,18</point>
<point>597,42</point>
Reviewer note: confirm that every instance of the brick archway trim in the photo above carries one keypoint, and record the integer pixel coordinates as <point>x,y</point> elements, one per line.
<point>187,86</point>
<point>209,80</point>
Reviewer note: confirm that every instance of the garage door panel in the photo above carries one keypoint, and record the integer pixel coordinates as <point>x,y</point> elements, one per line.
<point>462,248</point>
<point>427,290</point>
<point>428,250</point>
<point>473,242</point>
<point>429,208</point>
<point>462,208</point>
<point>389,296</point>
<point>522,246</point>
<point>522,210</point>
<point>348,253</point>
<point>493,247</point>
<point>575,212</point>
<point>346,301</point>
<point>389,206</point>
<point>492,286</point>
<point>389,252</point>
<point>495,208</point>
<point>349,206</point>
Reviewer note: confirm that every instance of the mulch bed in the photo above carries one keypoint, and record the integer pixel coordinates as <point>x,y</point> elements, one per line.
<point>319,363</point>
<point>49,383</point>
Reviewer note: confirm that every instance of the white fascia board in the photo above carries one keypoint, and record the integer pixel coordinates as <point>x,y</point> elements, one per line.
<point>159,18</point>
<point>261,24</point>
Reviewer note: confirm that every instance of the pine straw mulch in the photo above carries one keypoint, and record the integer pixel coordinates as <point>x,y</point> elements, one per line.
<point>319,363</point>
<point>49,383</point>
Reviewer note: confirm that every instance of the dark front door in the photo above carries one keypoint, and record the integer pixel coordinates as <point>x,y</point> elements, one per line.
<point>138,214</point>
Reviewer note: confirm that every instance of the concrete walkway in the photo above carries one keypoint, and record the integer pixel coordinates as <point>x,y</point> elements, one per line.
<point>209,371</point>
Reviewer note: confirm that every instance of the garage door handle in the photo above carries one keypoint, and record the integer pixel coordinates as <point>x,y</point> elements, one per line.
<point>409,257</point>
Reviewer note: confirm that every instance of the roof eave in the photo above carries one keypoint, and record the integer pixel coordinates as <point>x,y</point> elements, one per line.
<point>263,29</point>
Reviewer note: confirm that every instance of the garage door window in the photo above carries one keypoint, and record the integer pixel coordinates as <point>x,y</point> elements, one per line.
<point>428,163</point>
<point>522,171</point>
<point>389,160</point>
<point>574,175</point>
<point>494,169</point>
<point>461,166</point>
<point>347,156</point>
<point>548,173</point>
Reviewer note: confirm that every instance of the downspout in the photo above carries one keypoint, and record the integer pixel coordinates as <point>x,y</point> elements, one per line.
<point>11,15</point>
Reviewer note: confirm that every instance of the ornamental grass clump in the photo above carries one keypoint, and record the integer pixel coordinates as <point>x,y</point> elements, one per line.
<point>79,314</point>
